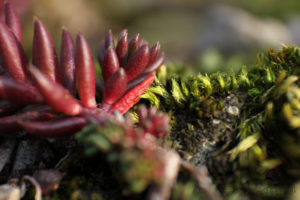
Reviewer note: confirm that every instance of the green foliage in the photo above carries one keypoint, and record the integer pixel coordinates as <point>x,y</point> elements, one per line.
<point>243,125</point>
<point>264,139</point>
<point>134,164</point>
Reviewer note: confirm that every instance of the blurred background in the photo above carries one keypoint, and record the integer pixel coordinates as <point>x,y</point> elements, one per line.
<point>207,34</point>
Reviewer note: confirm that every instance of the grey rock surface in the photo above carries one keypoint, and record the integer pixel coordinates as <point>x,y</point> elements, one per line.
<point>6,148</point>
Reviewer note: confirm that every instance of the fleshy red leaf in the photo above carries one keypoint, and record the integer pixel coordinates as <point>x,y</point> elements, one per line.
<point>122,47</point>
<point>10,54</point>
<point>67,62</point>
<point>110,64</point>
<point>18,92</point>
<point>115,88</point>
<point>13,22</point>
<point>154,51</point>
<point>136,81</point>
<point>24,60</point>
<point>133,44</point>
<point>54,94</point>
<point>142,42</point>
<point>137,63</point>
<point>132,96</point>
<point>154,66</point>
<point>10,123</point>
<point>85,73</point>
<point>2,10</point>
<point>44,55</point>
<point>57,128</point>
<point>109,40</point>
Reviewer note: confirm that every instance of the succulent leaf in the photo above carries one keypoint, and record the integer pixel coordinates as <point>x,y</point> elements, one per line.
<point>67,62</point>
<point>85,73</point>
<point>110,64</point>
<point>62,127</point>
<point>44,54</point>
<point>10,54</point>
<point>137,63</point>
<point>13,22</point>
<point>54,94</point>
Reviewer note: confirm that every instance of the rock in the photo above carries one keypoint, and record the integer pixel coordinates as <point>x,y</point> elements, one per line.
<point>27,155</point>
<point>294,26</point>
<point>186,32</point>
<point>8,192</point>
<point>6,148</point>
<point>231,29</point>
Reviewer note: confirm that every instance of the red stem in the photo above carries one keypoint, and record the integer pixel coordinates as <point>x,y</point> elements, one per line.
<point>132,96</point>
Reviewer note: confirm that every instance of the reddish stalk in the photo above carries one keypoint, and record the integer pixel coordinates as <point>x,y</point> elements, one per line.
<point>132,96</point>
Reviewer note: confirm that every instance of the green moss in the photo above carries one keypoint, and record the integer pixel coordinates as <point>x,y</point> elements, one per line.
<point>244,126</point>
<point>261,141</point>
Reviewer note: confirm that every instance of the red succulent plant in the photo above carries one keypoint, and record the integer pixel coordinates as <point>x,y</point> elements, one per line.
<point>32,94</point>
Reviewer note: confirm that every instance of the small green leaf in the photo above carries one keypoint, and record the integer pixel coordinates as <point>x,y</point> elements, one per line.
<point>154,101</point>
<point>176,92</point>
